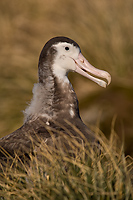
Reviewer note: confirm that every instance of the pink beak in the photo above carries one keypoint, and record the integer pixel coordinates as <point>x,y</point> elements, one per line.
<point>84,68</point>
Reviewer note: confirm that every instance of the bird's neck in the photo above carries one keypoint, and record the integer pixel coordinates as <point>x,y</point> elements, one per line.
<point>52,99</point>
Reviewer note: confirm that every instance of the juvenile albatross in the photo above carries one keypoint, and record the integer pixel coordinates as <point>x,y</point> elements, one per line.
<point>54,99</point>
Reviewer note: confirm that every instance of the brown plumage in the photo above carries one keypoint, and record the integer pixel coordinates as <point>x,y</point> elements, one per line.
<point>54,101</point>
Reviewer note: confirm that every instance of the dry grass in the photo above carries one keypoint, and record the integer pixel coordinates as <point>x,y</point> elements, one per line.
<point>83,172</point>
<point>104,31</point>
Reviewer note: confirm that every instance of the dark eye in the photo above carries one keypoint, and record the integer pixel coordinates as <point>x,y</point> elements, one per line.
<point>66,48</point>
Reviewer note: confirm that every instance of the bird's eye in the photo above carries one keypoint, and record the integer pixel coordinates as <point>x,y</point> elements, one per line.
<point>66,48</point>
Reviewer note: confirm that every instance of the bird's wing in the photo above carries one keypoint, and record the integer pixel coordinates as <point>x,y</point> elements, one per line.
<point>23,139</point>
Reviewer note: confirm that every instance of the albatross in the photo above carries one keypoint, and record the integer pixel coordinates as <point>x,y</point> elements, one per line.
<point>54,101</point>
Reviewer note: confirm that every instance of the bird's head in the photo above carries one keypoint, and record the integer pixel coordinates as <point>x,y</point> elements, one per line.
<point>64,55</point>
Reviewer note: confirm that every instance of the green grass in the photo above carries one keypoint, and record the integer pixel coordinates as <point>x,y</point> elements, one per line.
<point>82,172</point>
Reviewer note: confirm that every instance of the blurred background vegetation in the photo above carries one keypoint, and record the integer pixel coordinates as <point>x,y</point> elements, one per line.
<point>104,31</point>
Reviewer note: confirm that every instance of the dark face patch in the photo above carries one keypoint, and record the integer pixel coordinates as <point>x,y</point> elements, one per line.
<point>48,49</point>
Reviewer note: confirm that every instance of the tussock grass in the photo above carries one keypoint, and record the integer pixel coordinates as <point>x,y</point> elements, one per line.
<point>85,171</point>
<point>103,29</point>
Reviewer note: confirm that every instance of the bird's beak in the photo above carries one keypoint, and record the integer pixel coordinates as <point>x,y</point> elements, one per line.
<point>84,68</point>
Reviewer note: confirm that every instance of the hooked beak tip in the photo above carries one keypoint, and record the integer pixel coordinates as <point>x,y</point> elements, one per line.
<point>109,79</point>
<point>84,68</point>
